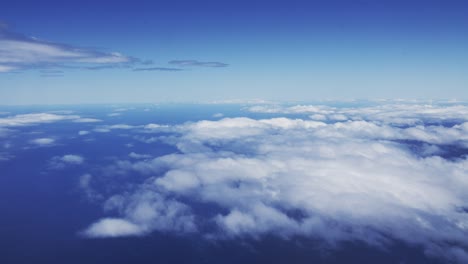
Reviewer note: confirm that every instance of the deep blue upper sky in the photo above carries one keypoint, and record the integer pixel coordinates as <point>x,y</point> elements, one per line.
<point>220,50</point>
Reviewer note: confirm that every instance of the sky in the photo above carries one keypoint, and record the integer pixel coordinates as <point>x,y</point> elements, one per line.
<point>56,52</point>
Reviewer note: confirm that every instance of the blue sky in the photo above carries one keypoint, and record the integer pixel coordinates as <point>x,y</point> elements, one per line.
<point>53,52</point>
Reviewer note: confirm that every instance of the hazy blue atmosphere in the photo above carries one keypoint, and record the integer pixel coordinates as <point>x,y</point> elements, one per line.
<point>233,132</point>
<point>157,51</point>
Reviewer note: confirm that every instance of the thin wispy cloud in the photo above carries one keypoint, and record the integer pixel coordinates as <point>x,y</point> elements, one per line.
<point>158,69</point>
<point>20,52</point>
<point>212,64</point>
<point>39,118</point>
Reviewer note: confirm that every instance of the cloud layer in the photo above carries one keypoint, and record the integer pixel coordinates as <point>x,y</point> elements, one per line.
<point>362,177</point>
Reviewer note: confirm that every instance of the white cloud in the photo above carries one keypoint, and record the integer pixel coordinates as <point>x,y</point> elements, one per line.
<point>36,118</point>
<point>154,126</point>
<point>72,159</point>
<point>40,118</point>
<point>87,120</point>
<point>85,184</point>
<point>22,52</point>
<point>83,132</point>
<point>109,128</point>
<point>360,178</point>
<point>144,212</point>
<point>85,180</point>
<point>43,141</point>
<point>60,162</point>
<point>390,113</point>
<point>113,227</point>
<point>134,155</point>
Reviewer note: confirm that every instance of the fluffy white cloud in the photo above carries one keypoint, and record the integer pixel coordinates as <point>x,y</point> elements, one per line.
<point>144,211</point>
<point>113,227</point>
<point>72,159</point>
<point>43,141</point>
<point>359,177</point>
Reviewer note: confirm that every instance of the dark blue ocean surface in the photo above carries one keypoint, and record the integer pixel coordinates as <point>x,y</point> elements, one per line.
<point>45,210</point>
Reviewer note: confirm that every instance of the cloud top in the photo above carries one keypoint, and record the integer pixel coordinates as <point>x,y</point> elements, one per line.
<point>361,177</point>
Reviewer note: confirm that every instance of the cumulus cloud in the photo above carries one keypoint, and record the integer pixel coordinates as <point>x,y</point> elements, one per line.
<point>43,141</point>
<point>144,211</point>
<point>72,159</point>
<point>113,227</point>
<point>362,177</point>
<point>60,162</point>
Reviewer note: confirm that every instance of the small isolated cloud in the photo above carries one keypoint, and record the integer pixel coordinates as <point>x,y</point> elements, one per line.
<point>134,155</point>
<point>72,159</point>
<point>87,120</point>
<point>83,132</point>
<point>85,180</point>
<point>43,141</point>
<point>113,227</point>
<point>61,162</point>
<point>211,64</point>
<point>109,128</point>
